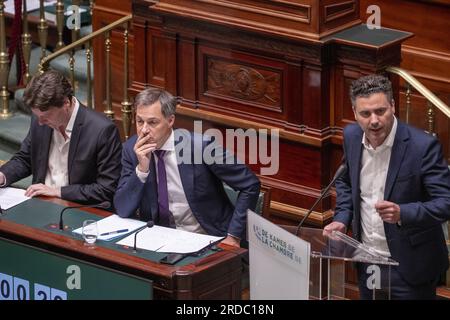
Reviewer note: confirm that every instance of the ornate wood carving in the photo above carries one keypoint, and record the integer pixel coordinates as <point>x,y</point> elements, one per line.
<point>239,81</point>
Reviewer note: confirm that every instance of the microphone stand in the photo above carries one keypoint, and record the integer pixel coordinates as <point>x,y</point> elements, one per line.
<point>149,224</point>
<point>103,205</point>
<point>339,172</point>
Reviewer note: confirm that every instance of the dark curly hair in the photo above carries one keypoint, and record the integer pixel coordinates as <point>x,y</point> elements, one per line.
<point>368,85</point>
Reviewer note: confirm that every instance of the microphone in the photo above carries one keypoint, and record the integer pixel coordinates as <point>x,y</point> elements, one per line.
<point>103,205</point>
<point>149,224</point>
<point>339,172</point>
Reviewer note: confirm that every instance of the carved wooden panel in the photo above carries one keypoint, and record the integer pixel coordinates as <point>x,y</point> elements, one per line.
<point>258,86</point>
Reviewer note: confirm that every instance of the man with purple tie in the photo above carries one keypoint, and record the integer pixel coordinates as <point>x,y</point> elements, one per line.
<point>166,179</point>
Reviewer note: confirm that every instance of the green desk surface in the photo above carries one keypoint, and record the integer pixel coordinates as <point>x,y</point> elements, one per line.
<point>40,214</point>
<point>362,35</point>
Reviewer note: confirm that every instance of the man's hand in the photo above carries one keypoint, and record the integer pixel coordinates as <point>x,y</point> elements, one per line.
<point>334,226</point>
<point>2,179</point>
<point>231,241</point>
<point>388,211</point>
<point>42,190</point>
<point>143,148</point>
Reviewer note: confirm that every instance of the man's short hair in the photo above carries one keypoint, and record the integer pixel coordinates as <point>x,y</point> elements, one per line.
<point>47,90</point>
<point>152,95</point>
<point>368,85</point>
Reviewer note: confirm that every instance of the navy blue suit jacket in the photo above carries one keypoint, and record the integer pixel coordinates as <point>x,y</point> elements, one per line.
<point>93,161</point>
<point>202,184</point>
<point>418,180</point>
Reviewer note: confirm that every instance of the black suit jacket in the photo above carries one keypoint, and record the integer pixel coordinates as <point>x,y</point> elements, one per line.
<point>94,157</point>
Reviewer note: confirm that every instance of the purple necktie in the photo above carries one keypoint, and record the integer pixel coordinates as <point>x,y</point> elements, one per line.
<point>163,196</point>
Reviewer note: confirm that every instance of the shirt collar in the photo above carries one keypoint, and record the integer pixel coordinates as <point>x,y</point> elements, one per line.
<point>169,145</point>
<point>387,143</point>
<point>69,126</point>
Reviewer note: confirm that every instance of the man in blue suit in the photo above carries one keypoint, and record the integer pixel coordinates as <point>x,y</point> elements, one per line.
<point>166,178</point>
<point>395,194</point>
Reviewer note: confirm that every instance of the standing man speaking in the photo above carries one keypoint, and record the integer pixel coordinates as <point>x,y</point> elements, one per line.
<point>395,194</point>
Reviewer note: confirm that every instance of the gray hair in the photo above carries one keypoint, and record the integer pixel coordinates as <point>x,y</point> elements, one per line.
<point>368,85</point>
<point>152,95</point>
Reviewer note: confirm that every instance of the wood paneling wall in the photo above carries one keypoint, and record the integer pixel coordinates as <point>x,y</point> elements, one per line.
<point>301,89</point>
<point>230,72</point>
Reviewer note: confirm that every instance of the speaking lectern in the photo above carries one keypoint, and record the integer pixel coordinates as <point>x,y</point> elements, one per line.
<point>308,266</point>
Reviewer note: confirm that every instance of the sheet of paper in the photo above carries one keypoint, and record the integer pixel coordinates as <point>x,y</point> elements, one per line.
<point>10,197</point>
<point>163,239</point>
<point>114,223</point>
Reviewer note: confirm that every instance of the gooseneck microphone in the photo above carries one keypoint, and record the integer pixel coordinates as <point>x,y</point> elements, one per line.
<point>339,172</point>
<point>102,205</point>
<point>148,225</point>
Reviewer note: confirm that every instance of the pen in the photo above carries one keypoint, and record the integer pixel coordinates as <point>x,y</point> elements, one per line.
<point>114,232</point>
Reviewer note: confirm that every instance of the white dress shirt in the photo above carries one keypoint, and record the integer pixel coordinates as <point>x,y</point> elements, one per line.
<point>58,169</point>
<point>178,204</point>
<point>374,167</point>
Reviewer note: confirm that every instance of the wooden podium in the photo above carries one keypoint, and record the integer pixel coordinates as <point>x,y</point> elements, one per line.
<point>266,64</point>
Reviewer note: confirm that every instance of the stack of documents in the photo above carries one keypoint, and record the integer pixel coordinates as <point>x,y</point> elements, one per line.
<point>113,227</point>
<point>163,239</point>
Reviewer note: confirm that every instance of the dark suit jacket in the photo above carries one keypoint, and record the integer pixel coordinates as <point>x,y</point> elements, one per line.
<point>202,184</point>
<point>93,163</point>
<point>418,180</point>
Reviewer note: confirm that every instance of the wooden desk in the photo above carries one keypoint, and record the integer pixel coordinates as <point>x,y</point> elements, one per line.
<point>217,276</point>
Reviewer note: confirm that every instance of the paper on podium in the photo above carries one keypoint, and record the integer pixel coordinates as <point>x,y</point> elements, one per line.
<point>10,197</point>
<point>114,223</point>
<point>171,240</point>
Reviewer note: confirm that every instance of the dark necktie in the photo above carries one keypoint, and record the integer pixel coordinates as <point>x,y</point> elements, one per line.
<point>163,196</point>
